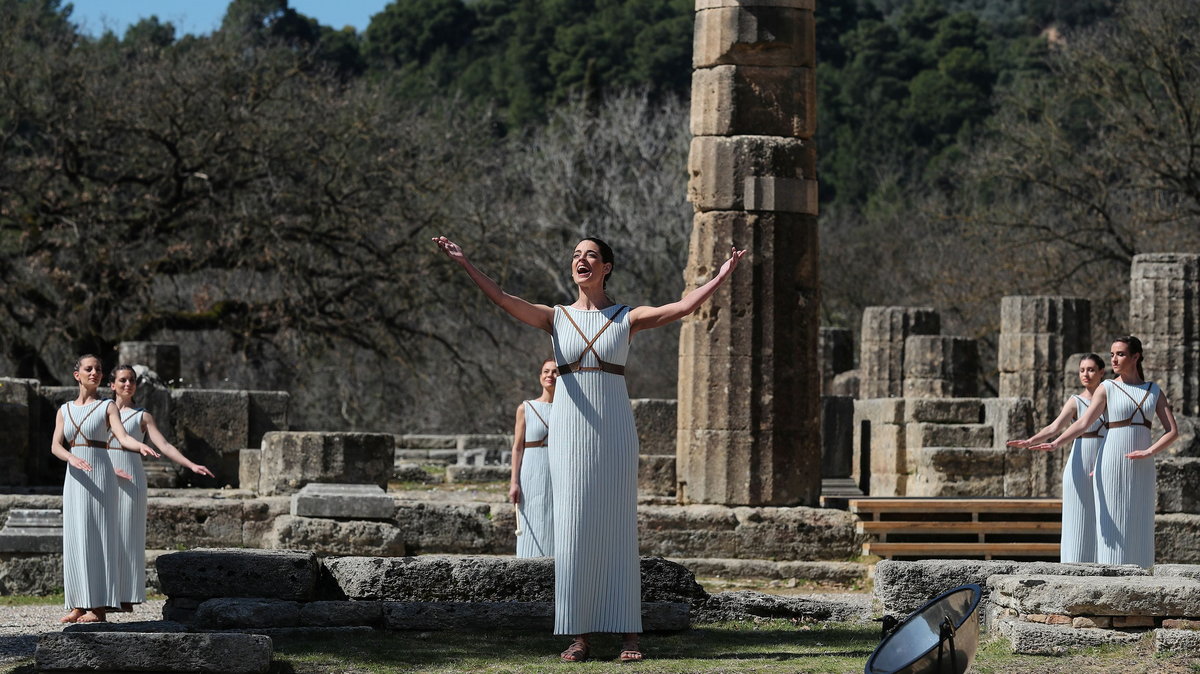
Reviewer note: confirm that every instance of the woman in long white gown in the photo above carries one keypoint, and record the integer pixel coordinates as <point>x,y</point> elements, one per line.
<point>593,442</point>
<point>1078,542</point>
<point>1124,479</point>
<point>530,487</point>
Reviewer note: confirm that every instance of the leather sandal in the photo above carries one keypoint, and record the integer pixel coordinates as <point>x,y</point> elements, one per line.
<point>576,652</point>
<point>631,655</point>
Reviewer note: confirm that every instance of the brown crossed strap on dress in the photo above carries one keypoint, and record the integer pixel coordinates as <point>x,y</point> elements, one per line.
<point>112,437</point>
<point>1130,422</point>
<point>542,442</point>
<point>1092,434</point>
<point>85,442</point>
<point>610,368</point>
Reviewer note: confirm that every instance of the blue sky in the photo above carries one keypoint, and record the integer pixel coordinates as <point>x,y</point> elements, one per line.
<point>202,16</point>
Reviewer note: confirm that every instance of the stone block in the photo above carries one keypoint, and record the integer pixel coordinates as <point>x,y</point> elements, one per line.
<point>268,412</point>
<point>31,573</point>
<point>902,587</point>
<point>1126,622</point>
<point>32,531</point>
<point>881,357</point>
<point>173,521</point>
<point>836,573</point>
<point>836,346</point>
<point>1090,595</point>
<point>837,436</point>
<point>1181,624</point>
<point>656,421</point>
<point>161,357</point>
<point>918,435</point>
<point>1177,538</point>
<point>1180,570</point>
<point>944,410</point>
<point>1095,622</point>
<point>525,616</point>
<point>249,468</point>
<point>139,626</point>
<point>426,442</point>
<point>492,442</point>
<point>748,605</point>
<point>336,537</point>
<point>846,384</point>
<point>937,366</point>
<point>888,450</point>
<point>291,460</point>
<point>14,428</point>
<point>881,410</point>
<point>749,35</point>
<point>465,474</point>
<point>959,472</point>
<point>656,475</point>
<point>1177,641</point>
<point>1178,484</point>
<point>1165,305</point>
<point>469,528</point>
<point>754,100</point>
<point>144,652</point>
<point>205,424</point>
<point>343,501</point>
<point>240,613</point>
<point>720,166</point>
<point>1068,317</point>
<point>779,533</point>
<point>1033,639</point>
<point>341,613</point>
<point>209,573</point>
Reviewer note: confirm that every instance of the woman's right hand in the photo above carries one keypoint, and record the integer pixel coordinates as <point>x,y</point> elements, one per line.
<point>1044,447</point>
<point>451,249</point>
<point>79,463</point>
<point>1019,444</point>
<point>514,492</point>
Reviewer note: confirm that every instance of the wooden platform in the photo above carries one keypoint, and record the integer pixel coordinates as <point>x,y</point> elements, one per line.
<point>979,528</point>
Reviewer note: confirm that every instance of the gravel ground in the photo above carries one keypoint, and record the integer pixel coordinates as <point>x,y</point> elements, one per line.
<point>21,625</point>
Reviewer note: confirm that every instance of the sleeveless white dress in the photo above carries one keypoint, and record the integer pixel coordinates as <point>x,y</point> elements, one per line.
<point>593,467</point>
<point>1078,542</point>
<point>1125,488</point>
<point>90,558</point>
<point>536,509</point>
<point>131,512</point>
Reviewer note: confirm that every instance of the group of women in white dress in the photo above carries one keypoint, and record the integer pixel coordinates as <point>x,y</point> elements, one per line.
<point>104,492</point>
<point>591,445</point>
<point>1108,478</point>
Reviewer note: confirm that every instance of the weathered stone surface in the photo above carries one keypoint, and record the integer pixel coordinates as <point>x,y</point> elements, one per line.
<point>902,587</point>
<point>957,472</point>
<point>846,384</point>
<point>756,333</point>
<point>1177,538</point>
<point>837,436</point>
<point>31,572</point>
<point>948,435</point>
<point>656,475</point>
<point>249,468</point>
<point>1034,639</point>
<point>141,652</point>
<point>1178,484</point>
<point>268,412</point>
<point>143,626</point>
<point>291,460</point>
<point>345,501</point>
<point>14,428</point>
<point>715,531</point>
<point>754,36</point>
<point>208,573</point>
<point>472,528</point>
<point>162,357</point>
<point>937,366</point>
<point>334,537</point>
<point>204,424</point>
<point>30,530</point>
<point>732,100</point>
<point>721,166</point>
<point>1099,622</point>
<point>341,613</point>
<point>1164,304</point>
<point>180,609</point>
<point>943,410</point>
<point>1037,334</point>
<point>1177,570</point>
<point>748,605</point>
<point>202,522</point>
<point>1026,473</point>
<point>836,346</point>
<point>1177,641</point>
<point>40,467</point>
<point>655,419</point>
<point>840,573</point>
<point>419,441</point>
<point>233,613</point>
<point>528,616</point>
<point>445,578</point>
<point>477,473</point>
<point>881,356</point>
<point>1082,595</point>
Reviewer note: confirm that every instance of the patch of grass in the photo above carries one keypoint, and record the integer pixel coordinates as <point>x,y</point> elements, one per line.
<point>32,599</point>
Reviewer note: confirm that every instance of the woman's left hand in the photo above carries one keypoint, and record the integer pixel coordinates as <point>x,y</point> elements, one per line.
<point>731,263</point>
<point>201,470</point>
<point>147,450</point>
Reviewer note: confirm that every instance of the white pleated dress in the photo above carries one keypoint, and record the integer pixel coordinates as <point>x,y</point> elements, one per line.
<point>593,468</point>
<point>90,558</point>
<point>537,500</point>
<point>1078,542</point>
<point>1125,487</point>
<point>131,512</point>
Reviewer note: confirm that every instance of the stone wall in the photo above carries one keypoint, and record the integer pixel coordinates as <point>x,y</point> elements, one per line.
<point>1164,312</point>
<point>884,334</point>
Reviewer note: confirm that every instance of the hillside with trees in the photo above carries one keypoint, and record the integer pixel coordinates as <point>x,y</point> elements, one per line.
<point>265,195</point>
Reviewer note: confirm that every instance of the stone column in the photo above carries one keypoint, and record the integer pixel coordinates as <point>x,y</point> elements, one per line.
<point>940,367</point>
<point>1037,335</point>
<point>1164,312</point>
<point>881,358</point>
<point>749,376</point>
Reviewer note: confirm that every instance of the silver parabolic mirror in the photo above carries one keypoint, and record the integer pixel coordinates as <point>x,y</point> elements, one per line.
<point>913,647</point>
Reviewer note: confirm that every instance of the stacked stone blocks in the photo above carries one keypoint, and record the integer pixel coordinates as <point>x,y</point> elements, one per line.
<point>885,331</point>
<point>1164,312</point>
<point>749,390</point>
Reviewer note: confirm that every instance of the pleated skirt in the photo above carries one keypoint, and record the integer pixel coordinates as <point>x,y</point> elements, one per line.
<point>593,468</point>
<point>90,545</point>
<point>1079,502</point>
<point>537,505</point>
<point>1125,500</point>
<point>131,527</point>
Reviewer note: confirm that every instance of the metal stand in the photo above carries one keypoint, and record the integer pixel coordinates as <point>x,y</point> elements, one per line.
<point>946,638</point>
